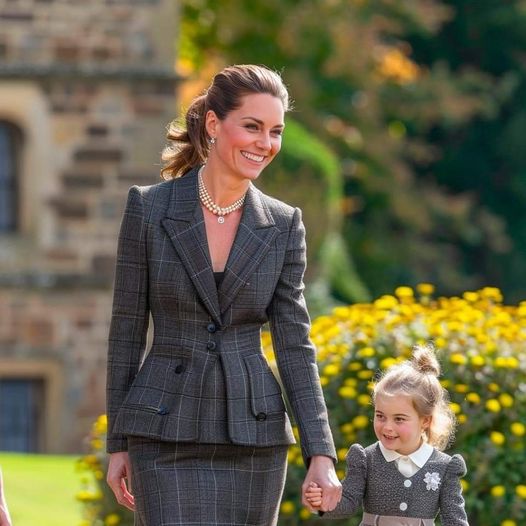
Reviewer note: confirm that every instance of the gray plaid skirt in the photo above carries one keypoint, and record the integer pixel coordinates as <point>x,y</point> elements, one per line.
<point>178,483</point>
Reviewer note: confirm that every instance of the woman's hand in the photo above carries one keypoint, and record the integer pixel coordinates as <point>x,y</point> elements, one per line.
<point>322,472</point>
<point>119,479</point>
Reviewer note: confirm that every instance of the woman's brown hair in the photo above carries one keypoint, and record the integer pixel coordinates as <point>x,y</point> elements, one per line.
<point>188,140</point>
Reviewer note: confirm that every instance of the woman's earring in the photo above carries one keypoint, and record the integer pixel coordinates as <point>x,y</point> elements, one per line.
<point>212,140</point>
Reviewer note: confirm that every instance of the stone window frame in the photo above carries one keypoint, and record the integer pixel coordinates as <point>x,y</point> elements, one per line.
<point>52,376</point>
<point>11,145</point>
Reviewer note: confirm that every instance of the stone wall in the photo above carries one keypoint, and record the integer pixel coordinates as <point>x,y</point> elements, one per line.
<point>90,86</point>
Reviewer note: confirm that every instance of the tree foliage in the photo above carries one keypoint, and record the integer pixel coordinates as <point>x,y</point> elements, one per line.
<point>406,94</point>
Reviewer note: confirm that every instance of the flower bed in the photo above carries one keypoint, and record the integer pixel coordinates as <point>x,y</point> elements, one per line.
<point>481,347</point>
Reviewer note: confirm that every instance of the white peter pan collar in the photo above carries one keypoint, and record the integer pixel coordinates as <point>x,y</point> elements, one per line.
<point>419,457</point>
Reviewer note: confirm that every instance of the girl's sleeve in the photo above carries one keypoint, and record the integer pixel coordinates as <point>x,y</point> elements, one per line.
<point>353,485</point>
<point>452,507</point>
<point>130,313</point>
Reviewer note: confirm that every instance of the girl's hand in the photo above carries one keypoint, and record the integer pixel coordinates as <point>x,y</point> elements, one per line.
<point>314,495</point>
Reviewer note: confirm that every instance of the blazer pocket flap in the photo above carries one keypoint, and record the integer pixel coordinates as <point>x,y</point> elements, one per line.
<point>265,391</point>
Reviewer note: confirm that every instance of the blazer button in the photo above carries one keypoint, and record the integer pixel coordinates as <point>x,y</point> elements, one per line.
<point>211,346</point>
<point>179,369</point>
<point>261,416</point>
<point>162,411</point>
<point>211,327</point>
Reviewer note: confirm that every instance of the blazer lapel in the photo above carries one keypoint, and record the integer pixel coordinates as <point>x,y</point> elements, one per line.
<point>253,239</point>
<point>184,224</point>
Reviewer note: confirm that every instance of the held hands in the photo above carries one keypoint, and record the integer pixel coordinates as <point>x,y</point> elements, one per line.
<point>119,479</point>
<point>314,495</point>
<point>321,475</point>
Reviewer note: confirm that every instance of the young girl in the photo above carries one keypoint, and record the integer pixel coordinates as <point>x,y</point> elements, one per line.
<point>404,479</point>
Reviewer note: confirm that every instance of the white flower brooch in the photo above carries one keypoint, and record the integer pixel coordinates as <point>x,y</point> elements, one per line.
<point>432,480</point>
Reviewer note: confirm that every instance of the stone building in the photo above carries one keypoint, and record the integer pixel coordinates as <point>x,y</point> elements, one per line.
<point>86,90</point>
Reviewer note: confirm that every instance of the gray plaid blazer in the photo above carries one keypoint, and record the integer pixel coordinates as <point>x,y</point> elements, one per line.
<point>205,379</point>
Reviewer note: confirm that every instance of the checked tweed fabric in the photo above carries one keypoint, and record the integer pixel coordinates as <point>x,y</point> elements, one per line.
<point>205,379</point>
<point>177,483</point>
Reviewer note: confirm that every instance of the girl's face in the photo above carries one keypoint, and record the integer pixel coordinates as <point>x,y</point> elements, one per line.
<point>397,425</point>
<point>248,138</point>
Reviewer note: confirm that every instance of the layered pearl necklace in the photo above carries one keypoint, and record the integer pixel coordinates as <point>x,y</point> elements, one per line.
<point>209,204</point>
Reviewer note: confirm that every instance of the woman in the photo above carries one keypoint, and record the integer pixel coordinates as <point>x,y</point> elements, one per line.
<point>200,428</point>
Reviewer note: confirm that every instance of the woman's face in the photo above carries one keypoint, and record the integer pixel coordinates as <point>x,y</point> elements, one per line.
<point>397,424</point>
<point>248,138</point>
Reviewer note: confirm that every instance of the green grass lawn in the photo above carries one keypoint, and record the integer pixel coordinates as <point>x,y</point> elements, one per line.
<point>40,489</point>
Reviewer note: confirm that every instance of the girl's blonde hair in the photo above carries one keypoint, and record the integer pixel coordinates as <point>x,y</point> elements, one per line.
<point>188,141</point>
<point>418,379</point>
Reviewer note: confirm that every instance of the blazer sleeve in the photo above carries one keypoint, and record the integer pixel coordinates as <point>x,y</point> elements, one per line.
<point>353,485</point>
<point>130,313</point>
<point>295,353</point>
<point>452,507</point>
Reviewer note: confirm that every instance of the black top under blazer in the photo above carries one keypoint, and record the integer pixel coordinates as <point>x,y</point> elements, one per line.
<point>205,378</point>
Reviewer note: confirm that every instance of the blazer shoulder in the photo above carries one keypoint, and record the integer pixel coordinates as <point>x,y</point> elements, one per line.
<point>281,211</point>
<point>155,197</point>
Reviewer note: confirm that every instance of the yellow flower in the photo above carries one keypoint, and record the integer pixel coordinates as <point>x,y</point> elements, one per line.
<point>347,428</point>
<point>387,362</point>
<point>305,514</point>
<point>458,359</point>
<point>471,297</point>
<point>493,405</point>
<point>465,484</point>
<point>404,292</point>
<point>97,444</point>
<point>508,522</point>
<point>360,421</point>
<point>477,360</point>
<point>342,452</point>
<point>365,375</point>
<point>364,399</point>
<point>462,419</point>
<point>493,387</point>
<point>491,293</point>
<point>498,491</point>
<point>461,388</point>
<point>455,408</point>
<point>347,392</point>
<point>331,370</point>
<point>366,352</point>
<point>518,429</point>
<point>386,303</point>
<point>112,520</point>
<point>497,438</point>
<point>506,400</point>
<point>426,289</point>
<point>440,343</point>
<point>287,507</point>
<point>474,398</point>
<point>520,490</point>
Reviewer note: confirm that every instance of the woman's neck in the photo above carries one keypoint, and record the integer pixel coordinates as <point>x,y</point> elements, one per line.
<point>223,188</point>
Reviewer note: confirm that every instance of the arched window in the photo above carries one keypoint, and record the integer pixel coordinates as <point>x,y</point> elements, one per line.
<point>10,142</point>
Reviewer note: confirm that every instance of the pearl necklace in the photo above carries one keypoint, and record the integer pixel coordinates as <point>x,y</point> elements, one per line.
<point>209,204</point>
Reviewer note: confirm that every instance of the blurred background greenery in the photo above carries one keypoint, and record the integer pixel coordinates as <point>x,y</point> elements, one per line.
<point>420,104</point>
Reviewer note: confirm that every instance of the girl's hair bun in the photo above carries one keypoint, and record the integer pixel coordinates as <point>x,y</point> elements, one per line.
<point>424,360</point>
